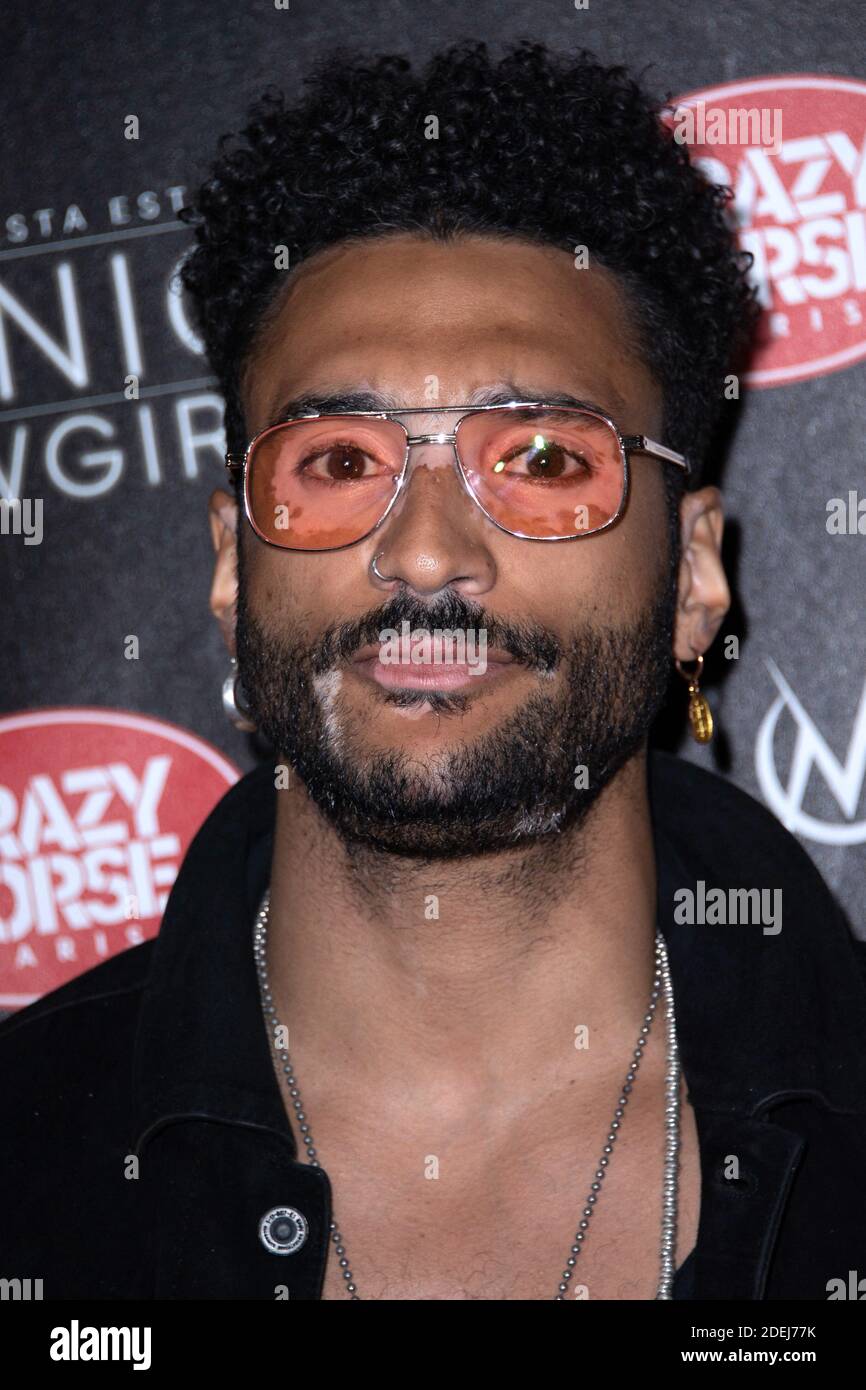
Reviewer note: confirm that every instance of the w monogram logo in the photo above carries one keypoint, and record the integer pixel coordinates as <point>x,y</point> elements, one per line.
<point>845,779</point>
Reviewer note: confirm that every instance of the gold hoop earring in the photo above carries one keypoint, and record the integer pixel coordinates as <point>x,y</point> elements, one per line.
<point>700,714</point>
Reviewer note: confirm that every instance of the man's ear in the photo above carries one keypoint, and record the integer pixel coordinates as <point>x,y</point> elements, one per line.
<point>703,595</point>
<point>223,517</point>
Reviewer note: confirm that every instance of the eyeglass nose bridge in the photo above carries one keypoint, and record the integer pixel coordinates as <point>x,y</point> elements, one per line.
<point>438,437</point>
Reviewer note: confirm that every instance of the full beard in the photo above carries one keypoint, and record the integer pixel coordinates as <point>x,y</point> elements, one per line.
<point>513,784</point>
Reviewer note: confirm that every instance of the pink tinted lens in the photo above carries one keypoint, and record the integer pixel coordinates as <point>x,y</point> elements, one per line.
<point>547,473</point>
<point>320,484</point>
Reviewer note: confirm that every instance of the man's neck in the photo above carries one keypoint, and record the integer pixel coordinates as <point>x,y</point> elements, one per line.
<point>462,984</point>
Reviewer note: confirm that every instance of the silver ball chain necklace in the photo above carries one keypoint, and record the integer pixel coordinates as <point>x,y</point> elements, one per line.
<point>661,983</point>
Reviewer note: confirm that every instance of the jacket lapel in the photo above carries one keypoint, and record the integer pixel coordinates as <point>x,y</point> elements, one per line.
<point>208,1184</point>
<point>747,1166</point>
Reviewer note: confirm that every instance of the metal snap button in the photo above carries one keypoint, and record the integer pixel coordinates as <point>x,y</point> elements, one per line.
<point>283,1230</point>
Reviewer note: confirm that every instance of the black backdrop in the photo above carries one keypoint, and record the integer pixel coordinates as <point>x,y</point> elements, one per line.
<point>89,241</point>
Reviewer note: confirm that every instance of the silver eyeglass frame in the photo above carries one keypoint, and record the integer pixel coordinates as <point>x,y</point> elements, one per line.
<point>628,443</point>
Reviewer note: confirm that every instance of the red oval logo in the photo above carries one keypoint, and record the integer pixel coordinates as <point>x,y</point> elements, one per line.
<point>793,149</point>
<point>97,809</point>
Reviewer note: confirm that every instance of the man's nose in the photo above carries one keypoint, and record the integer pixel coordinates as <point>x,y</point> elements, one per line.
<point>435,535</point>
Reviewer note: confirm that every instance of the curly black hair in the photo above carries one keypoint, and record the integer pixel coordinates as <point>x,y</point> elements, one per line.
<point>557,149</point>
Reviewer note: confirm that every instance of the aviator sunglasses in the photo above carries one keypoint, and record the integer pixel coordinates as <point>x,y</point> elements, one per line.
<point>538,471</point>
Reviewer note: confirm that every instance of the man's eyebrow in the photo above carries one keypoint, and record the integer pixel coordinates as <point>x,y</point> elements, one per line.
<point>347,402</point>
<point>329,403</point>
<point>515,391</point>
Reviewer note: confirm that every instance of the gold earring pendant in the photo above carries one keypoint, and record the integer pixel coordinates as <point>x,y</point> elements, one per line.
<point>700,714</point>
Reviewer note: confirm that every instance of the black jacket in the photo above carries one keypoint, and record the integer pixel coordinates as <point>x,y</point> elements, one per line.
<point>157,1062</point>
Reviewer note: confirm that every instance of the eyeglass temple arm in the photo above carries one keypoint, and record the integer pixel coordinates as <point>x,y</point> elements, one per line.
<point>645,445</point>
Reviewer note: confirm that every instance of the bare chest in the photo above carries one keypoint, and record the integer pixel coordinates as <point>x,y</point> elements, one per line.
<point>457,1225</point>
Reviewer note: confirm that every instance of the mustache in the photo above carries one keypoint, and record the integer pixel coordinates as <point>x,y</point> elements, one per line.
<point>528,642</point>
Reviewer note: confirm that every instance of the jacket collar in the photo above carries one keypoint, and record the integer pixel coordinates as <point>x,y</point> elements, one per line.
<point>201,1046</point>
<point>758,1016</point>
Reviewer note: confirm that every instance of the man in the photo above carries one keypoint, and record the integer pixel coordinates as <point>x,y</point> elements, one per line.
<point>428,1016</point>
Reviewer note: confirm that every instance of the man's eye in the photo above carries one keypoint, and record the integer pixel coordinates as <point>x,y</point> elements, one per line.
<point>549,460</point>
<point>339,463</point>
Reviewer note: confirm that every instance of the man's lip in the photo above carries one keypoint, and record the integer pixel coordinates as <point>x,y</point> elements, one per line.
<point>495,656</point>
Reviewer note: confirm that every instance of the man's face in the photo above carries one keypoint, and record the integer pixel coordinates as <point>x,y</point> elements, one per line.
<point>447,769</point>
